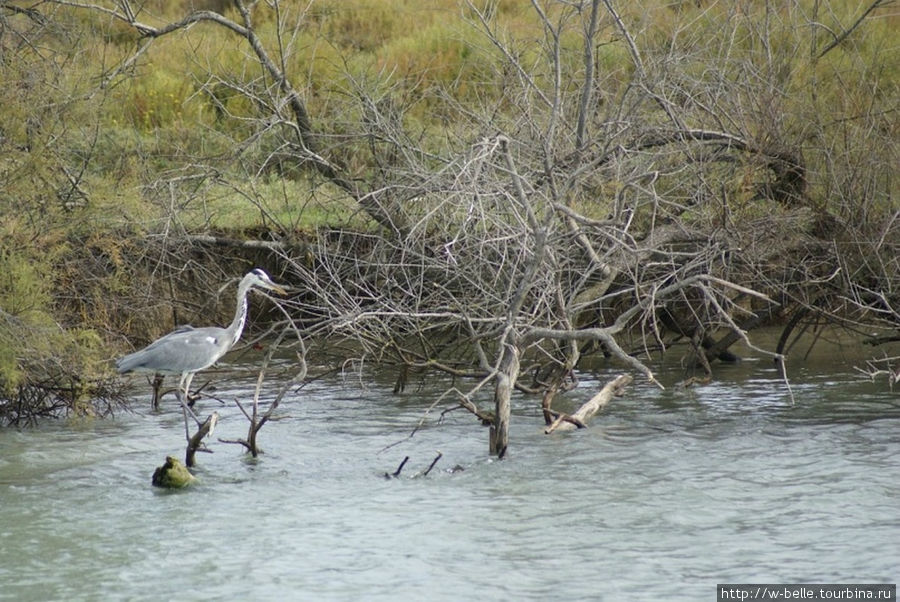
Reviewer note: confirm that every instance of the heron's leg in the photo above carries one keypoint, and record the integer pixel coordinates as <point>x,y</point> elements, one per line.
<point>183,387</point>
<point>187,390</point>
<point>181,397</point>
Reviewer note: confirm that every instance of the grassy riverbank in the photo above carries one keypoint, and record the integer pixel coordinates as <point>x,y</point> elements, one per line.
<point>773,127</point>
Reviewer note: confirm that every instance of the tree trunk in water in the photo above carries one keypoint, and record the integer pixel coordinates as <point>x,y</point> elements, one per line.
<point>507,374</point>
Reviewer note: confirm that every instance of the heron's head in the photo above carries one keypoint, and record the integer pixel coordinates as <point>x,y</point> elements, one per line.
<point>258,278</point>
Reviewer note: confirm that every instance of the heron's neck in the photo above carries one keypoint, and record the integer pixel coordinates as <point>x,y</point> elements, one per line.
<point>240,315</point>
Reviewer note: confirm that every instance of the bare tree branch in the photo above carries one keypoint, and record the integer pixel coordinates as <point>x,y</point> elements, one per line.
<point>846,33</point>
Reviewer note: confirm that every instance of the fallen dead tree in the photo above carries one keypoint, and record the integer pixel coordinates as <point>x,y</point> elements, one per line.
<point>575,209</point>
<point>579,419</point>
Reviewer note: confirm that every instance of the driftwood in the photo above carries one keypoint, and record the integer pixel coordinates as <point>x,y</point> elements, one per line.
<point>424,473</point>
<point>566,422</point>
<point>257,420</point>
<point>159,393</point>
<point>396,473</point>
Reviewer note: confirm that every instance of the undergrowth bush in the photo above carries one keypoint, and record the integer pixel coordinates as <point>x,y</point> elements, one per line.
<point>186,137</point>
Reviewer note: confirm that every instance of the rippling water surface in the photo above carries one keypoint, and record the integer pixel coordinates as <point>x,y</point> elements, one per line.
<point>669,493</point>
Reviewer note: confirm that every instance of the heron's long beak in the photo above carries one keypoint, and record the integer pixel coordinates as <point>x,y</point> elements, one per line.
<point>278,289</point>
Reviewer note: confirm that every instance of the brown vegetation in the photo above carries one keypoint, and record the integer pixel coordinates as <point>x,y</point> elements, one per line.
<point>512,185</point>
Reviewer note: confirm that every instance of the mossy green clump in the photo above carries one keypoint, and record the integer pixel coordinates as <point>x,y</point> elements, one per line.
<point>172,475</point>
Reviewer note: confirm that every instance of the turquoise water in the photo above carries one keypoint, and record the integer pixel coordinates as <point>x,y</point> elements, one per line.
<point>668,493</point>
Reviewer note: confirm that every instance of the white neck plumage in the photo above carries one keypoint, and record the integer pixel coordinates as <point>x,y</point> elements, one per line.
<point>240,314</point>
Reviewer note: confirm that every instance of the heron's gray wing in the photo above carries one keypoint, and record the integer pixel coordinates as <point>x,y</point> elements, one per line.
<point>185,349</point>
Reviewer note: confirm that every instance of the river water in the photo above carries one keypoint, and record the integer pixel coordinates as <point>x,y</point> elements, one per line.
<point>667,494</point>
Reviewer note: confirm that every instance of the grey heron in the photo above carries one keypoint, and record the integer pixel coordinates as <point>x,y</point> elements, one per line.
<point>187,350</point>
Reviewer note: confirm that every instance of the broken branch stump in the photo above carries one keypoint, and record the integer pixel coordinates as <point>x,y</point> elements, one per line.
<point>195,443</point>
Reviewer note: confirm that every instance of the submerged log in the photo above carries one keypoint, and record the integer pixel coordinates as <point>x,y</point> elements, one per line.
<point>172,475</point>
<point>565,422</point>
